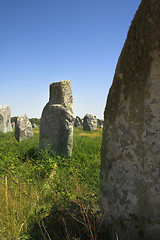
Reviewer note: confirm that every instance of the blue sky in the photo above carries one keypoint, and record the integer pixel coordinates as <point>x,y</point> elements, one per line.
<point>45,41</point>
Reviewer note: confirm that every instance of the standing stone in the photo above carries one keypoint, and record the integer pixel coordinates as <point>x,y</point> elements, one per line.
<point>89,123</point>
<point>56,125</point>
<point>13,125</point>
<point>23,128</point>
<point>5,119</point>
<point>130,168</point>
<point>77,122</point>
<point>100,123</point>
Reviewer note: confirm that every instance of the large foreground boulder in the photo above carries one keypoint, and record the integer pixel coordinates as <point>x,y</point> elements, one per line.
<point>89,123</point>
<point>130,169</point>
<point>56,125</point>
<point>23,128</point>
<point>5,119</point>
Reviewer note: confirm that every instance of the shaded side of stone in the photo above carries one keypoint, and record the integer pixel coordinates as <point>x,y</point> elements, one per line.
<point>23,128</point>
<point>89,123</point>
<point>130,167</point>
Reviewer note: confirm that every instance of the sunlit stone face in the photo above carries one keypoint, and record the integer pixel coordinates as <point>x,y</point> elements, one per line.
<point>56,126</point>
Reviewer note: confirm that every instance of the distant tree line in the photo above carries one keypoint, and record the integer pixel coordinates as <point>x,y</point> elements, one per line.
<point>14,119</point>
<point>32,120</point>
<point>35,121</point>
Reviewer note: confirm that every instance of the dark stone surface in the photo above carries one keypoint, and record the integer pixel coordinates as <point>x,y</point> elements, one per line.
<point>130,167</point>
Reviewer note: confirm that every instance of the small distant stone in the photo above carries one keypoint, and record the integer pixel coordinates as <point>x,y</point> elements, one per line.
<point>78,122</point>
<point>89,123</point>
<point>13,125</point>
<point>100,123</point>
<point>5,119</point>
<point>23,128</point>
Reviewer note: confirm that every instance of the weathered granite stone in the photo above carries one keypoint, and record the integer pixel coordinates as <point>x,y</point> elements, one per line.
<point>77,122</point>
<point>23,128</point>
<point>13,125</point>
<point>130,168</point>
<point>100,123</point>
<point>89,123</point>
<point>5,119</point>
<point>56,125</point>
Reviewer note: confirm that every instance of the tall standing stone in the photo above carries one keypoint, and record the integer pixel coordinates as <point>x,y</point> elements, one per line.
<point>56,125</point>
<point>5,119</point>
<point>23,128</point>
<point>130,168</point>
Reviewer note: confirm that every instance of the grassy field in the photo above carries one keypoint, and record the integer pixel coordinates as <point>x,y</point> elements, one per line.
<point>44,196</point>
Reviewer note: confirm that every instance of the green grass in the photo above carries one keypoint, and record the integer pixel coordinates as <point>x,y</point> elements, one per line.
<point>36,185</point>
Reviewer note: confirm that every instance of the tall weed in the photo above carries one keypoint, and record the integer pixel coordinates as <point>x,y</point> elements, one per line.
<point>34,183</point>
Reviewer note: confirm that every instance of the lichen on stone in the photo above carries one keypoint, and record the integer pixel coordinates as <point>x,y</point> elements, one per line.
<point>133,68</point>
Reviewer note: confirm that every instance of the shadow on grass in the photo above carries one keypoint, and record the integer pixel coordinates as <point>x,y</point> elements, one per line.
<point>73,223</point>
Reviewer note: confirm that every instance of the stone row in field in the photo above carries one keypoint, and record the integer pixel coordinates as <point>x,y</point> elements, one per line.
<point>23,127</point>
<point>89,122</point>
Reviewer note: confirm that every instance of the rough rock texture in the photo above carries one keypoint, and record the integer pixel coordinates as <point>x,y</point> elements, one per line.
<point>13,125</point>
<point>5,119</point>
<point>130,168</point>
<point>89,123</point>
<point>78,122</point>
<point>100,123</point>
<point>23,128</point>
<point>56,126</point>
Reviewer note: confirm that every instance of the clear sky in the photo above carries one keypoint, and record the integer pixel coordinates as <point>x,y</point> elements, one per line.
<point>45,41</point>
